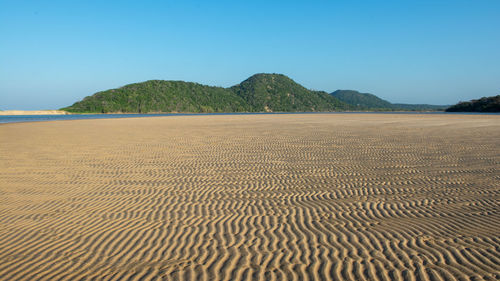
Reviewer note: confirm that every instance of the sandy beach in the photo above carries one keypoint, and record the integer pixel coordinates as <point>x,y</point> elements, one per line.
<point>252,197</point>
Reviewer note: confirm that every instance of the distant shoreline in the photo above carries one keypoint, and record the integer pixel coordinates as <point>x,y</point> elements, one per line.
<point>62,112</point>
<point>5,119</point>
<point>34,112</point>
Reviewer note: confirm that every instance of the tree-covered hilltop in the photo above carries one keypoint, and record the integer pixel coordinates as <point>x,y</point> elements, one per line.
<point>259,93</point>
<point>484,104</point>
<point>361,100</point>
<point>277,92</point>
<point>365,101</point>
<point>161,96</point>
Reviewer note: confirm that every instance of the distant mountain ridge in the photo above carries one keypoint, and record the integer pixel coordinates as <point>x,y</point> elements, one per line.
<point>259,93</point>
<point>484,104</point>
<point>366,101</point>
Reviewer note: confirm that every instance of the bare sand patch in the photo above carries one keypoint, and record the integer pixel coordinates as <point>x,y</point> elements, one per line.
<point>263,197</point>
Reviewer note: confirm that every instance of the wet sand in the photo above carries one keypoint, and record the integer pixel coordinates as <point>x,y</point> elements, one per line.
<point>252,197</point>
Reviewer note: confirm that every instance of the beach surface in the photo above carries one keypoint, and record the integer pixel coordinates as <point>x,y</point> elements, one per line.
<point>252,197</point>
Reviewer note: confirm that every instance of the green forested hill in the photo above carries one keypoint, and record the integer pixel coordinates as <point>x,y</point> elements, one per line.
<point>364,101</point>
<point>361,100</point>
<point>485,104</point>
<point>259,93</point>
<point>277,92</point>
<point>161,96</point>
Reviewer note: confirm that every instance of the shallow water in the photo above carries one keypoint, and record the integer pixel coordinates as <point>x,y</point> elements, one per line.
<point>38,118</point>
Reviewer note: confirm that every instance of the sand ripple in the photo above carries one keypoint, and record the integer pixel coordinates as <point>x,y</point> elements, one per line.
<point>286,197</point>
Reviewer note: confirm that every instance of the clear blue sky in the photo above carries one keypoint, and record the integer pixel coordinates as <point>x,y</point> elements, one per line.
<point>53,53</point>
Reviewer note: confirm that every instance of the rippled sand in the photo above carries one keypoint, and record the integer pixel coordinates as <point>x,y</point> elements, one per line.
<point>262,197</point>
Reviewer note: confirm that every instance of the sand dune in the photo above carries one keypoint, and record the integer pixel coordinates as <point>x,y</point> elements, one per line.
<point>273,197</point>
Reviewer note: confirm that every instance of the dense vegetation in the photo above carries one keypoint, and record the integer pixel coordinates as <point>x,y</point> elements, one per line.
<point>485,104</point>
<point>364,101</point>
<point>259,93</point>
<point>276,92</point>
<point>361,100</point>
<point>161,96</point>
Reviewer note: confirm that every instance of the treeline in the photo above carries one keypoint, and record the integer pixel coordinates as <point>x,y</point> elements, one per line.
<point>485,104</point>
<point>259,93</point>
<point>365,101</point>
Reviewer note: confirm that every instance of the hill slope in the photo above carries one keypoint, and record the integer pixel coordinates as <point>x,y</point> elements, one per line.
<point>361,100</point>
<point>261,92</point>
<point>485,104</point>
<point>277,92</point>
<point>365,101</point>
<point>161,96</point>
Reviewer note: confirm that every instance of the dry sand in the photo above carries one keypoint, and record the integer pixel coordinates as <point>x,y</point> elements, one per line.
<point>262,197</point>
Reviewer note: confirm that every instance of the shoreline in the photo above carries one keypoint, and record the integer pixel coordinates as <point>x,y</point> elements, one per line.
<point>34,112</point>
<point>9,119</point>
<point>62,112</point>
